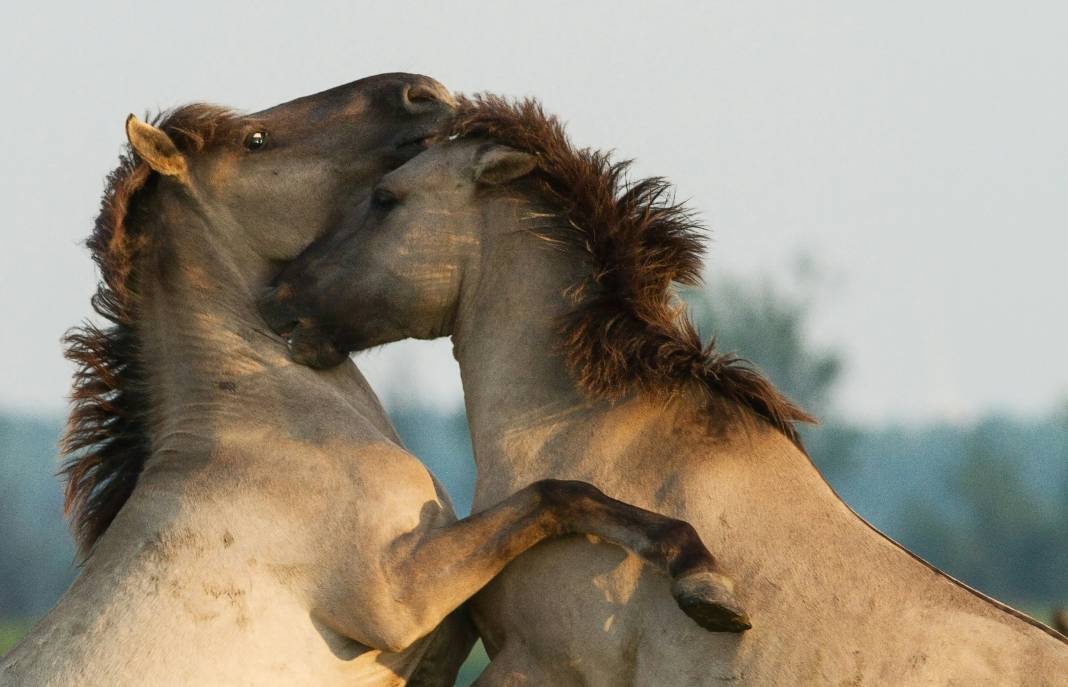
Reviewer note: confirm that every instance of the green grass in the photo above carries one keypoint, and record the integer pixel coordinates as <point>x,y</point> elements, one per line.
<point>11,631</point>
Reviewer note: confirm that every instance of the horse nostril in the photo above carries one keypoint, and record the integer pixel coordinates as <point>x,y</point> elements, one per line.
<point>421,94</point>
<point>424,97</point>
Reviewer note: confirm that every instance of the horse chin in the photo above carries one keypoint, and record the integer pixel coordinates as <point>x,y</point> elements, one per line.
<point>314,350</point>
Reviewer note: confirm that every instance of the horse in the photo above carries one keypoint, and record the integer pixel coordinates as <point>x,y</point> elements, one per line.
<point>555,276</point>
<point>245,520</point>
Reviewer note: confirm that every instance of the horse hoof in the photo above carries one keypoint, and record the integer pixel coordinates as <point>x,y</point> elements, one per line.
<point>707,597</point>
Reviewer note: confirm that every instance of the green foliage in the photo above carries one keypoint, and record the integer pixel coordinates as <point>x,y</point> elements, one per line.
<point>36,556</point>
<point>997,530</point>
<point>11,631</point>
<point>769,328</point>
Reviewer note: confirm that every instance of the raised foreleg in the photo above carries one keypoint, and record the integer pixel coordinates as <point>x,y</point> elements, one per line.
<point>438,569</point>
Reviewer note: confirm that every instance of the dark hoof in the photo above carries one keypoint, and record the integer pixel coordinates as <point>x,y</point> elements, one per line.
<point>708,598</point>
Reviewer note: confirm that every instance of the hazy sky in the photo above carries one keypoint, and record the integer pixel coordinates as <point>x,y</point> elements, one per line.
<point>917,151</point>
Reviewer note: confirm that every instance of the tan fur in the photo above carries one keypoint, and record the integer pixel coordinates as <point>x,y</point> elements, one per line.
<point>832,601</point>
<point>217,524</point>
<point>246,520</point>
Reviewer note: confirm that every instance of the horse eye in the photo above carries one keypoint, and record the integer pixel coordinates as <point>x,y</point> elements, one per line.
<point>256,140</point>
<point>383,199</point>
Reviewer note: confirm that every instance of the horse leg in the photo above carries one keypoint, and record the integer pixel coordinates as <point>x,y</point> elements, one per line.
<point>513,666</point>
<point>448,649</point>
<point>505,670</point>
<point>495,676</point>
<point>439,569</point>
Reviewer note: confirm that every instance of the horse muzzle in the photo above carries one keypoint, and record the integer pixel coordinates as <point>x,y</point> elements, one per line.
<point>309,343</point>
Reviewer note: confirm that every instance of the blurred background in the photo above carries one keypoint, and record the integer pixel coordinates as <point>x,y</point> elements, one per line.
<point>885,187</point>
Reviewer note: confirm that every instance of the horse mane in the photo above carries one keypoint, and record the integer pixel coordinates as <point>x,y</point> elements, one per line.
<point>628,329</point>
<point>107,438</point>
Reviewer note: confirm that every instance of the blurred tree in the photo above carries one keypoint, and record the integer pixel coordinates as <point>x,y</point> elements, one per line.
<point>36,554</point>
<point>770,328</point>
<point>996,529</point>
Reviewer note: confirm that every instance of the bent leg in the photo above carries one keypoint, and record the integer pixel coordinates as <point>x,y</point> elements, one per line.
<point>439,569</point>
<point>512,668</point>
<point>447,651</point>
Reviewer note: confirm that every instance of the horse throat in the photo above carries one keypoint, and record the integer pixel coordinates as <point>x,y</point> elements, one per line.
<point>199,336</point>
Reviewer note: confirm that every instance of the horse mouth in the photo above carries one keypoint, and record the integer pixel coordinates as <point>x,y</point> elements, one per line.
<point>418,144</point>
<point>310,347</point>
<point>308,342</point>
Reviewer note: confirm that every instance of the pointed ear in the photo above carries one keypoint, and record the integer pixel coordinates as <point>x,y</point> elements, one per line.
<point>155,147</point>
<point>499,164</point>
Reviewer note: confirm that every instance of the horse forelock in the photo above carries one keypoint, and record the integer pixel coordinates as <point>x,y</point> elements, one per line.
<point>628,330</point>
<point>107,436</point>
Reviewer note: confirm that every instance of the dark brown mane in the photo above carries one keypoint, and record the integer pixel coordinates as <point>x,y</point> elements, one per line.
<point>107,435</point>
<point>628,329</point>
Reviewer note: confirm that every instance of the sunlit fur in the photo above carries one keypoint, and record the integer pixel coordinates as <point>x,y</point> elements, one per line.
<point>628,328</point>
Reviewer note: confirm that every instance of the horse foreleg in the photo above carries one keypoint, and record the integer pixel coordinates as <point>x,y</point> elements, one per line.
<point>436,570</point>
<point>447,651</point>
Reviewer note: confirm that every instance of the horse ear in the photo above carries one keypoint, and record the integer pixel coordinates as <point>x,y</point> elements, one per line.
<point>155,147</point>
<point>498,164</point>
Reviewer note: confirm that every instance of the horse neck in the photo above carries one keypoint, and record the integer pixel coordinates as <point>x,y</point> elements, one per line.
<point>492,343</point>
<point>528,419</point>
<point>756,498</point>
<point>197,330</point>
<point>215,373</point>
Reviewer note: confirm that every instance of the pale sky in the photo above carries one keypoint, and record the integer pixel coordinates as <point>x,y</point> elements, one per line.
<point>916,150</point>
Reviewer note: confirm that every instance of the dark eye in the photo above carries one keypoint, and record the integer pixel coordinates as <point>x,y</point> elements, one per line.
<point>256,140</point>
<point>383,199</point>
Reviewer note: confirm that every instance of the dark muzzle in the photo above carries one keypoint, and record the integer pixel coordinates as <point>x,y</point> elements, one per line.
<point>309,342</point>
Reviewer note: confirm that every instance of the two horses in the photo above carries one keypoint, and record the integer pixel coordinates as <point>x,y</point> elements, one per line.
<point>247,520</point>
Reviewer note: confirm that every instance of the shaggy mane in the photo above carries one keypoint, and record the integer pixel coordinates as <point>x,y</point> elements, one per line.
<point>107,436</point>
<point>628,329</point>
